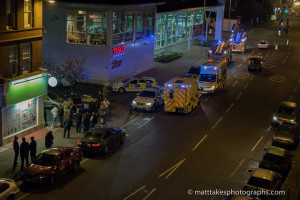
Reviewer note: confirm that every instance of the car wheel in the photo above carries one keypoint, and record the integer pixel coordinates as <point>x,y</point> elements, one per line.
<point>52,180</point>
<point>11,197</point>
<point>106,149</point>
<point>121,90</point>
<point>76,166</point>
<point>123,139</point>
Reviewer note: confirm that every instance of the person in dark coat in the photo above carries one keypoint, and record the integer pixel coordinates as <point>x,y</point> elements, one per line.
<point>32,149</point>
<point>86,123</point>
<point>24,152</point>
<point>61,115</point>
<point>16,150</point>
<point>45,117</point>
<point>49,139</point>
<point>78,120</point>
<point>67,125</point>
<point>94,120</point>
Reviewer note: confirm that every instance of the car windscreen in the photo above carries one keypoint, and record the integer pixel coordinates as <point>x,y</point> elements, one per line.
<point>259,182</point>
<point>208,77</point>
<point>126,80</point>
<point>94,134</point>
<point>273,158</point>
<point>286,110</point>
<point>149,94</point>
<point>45,159</point>
<point>255,60</point>
<point>52,95</point>
<point>263,43</point>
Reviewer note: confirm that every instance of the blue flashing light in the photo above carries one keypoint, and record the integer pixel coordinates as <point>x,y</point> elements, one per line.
<point>219,42</point>
<point>183,86</point>
<point>191,85</point>
<point>169,85</point>
<point>232,31</point>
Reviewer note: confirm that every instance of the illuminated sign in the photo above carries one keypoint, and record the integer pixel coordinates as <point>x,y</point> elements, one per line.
<point>118,50</point>
<point>116,63</point>
<point>94,17</point>
<point>29,80</point>
<point>52,81</point>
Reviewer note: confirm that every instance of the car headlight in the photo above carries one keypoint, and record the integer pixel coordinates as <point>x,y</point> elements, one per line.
<point>133,102</point>
<point>213,87</point>
<point>292,120</point>
<point>274,118</point>
<point>148,104</point>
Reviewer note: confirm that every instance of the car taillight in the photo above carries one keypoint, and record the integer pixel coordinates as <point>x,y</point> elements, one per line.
<point>96,145</point>
<point>79,143</point>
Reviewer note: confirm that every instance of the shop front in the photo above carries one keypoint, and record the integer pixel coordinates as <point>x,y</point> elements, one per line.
<point>22,110</point>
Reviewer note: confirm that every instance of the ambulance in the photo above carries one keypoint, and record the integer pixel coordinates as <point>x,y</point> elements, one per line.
<point>182,94</point>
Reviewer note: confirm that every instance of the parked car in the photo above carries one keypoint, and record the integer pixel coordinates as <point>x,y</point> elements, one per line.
<point>264,179</point>
<point>255,63</point>
<point>52,100</point>
<point>286,112</point>
<point>149,99</point>
<point>135,84</point>
<point>61,82</point>
<point>263,44</point>
<point>277,159</point>
<point>286,136</point>
<point>101,139</point>
<point>8,189</point>
<point>52,163</point>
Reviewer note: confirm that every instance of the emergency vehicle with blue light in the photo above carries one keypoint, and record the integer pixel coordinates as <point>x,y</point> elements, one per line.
<point>134,84</point>
<point>221,51</point>
<point>239,42</point>
<point>182,94</point>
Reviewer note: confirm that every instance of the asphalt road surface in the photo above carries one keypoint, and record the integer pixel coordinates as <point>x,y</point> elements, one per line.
<point>168,156</point>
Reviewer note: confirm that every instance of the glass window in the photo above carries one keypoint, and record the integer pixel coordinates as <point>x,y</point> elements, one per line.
<point>3,187</point>
<point>85,27</point>
<point>26,57</point>
<point>118,27</point>
<point>10,14</point>
<point>128,28</point>
<point>27,13</point>
<point>13,59</point>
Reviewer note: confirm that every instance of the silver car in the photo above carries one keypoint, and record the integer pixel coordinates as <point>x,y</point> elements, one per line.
<point>8,189</point>
<point>286,112</point>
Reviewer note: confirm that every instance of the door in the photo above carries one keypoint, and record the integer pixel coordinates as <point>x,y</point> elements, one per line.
<point>62,164</point>
<point>132,85</point>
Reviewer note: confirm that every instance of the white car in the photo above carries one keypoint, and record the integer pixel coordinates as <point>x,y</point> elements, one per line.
<point>8,189</point>
<point>52,100</point>
<point>263,44</point>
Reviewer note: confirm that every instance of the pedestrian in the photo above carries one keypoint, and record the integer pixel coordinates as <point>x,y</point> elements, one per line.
<point>86,122</point>
<point>106,104</point>
<point>99,100</point>
<point>32,149</point>
<point>24,152</point>
<point>61,115</point>
<point>16,150</point>
<point>54,112</point>
<point>105,90</point>
<point>78,118</point>
<point>102,109</point>
<point>67,126</point>
<point>103,121</point>
<point>94,120</point>
<point>49,139</point>
<point>66,109</point>
<point>45,117</point>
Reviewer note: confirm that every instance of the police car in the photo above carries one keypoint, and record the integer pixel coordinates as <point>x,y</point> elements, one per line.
<point>134,84</point>
<point>149,99</point>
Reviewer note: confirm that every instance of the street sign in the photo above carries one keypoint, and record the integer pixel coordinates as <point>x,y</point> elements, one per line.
<point>202,38</point>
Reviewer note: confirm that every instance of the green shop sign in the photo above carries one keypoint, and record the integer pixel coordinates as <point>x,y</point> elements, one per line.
<point>26,88</point>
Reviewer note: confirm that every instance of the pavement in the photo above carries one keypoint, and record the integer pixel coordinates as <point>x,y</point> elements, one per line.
<point>191,57</point>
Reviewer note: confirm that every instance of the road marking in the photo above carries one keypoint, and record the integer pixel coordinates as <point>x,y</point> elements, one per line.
<point>206,99</point>
<point>293,93</point>
<point>235,170</point>
<point>131,121</point>
<point>251,77</point>
<point>239,65</point>
<point>244,60</point>
<point>233,71</point>
<point>172,169</point>
<point>200,142</point>
<point>277,78</point>
<point>234,83</point>
<point>229,108</point>
<point>257,143</point>
<point>25,195</point>
<point>134,192</point>
<point>246,86</point>
<point>146,122</point>
<point>269,128</point>
<point>83,160</point>
<point>217,123</point>
<point>148,195</point>
<point>228,77</point>
<point>239,96</point>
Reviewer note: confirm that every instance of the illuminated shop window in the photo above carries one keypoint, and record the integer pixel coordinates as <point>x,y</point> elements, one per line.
<point>85,27</point>
<point>13,59</point>
<point>27,13</point>
<point>19,117</point>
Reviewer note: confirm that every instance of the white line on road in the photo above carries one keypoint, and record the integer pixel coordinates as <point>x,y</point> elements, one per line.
<point>146,122</point>
<point>228,77</point>
<point>217,123</point>
<point>233,71</point>
<point>244,60</point>
<point>235,170</point>
<point>229,108</point>
<point>293,93</point>
<point>239,96</point>
<point>172,169</point>
<point>246,86</point>
<point>239,65</point>
<point>133,120</point>
<point>234,83</point>
<point>199,142</point>
<point>148,195</point>
<point>257,143</point>
<point>83,160</point>
<point>134,192</point>
<point>251,77</point>
<point>269,128</point>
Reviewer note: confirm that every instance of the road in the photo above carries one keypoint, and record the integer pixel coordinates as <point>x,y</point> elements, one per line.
<point>166,155</point>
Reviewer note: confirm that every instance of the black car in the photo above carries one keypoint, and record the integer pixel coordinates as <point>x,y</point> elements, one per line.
<point>255,63</point>
<point>277,159</point>
<point>101,139</point>
<point>286,136</point>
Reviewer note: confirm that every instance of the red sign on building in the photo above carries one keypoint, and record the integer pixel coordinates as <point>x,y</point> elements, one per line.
<point>116,63</point>
<point>117,50</point>
<point>94,16</point>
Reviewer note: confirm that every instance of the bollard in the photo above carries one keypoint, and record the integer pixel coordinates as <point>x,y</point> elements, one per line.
<point>276,46</point>
<point>287,42</point>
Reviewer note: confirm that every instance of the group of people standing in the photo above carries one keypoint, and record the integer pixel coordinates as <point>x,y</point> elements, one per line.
<point>24,150</point>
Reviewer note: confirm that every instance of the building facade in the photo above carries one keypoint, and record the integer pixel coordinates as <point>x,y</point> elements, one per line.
<point>117,41</point>
<point>22,80</point>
